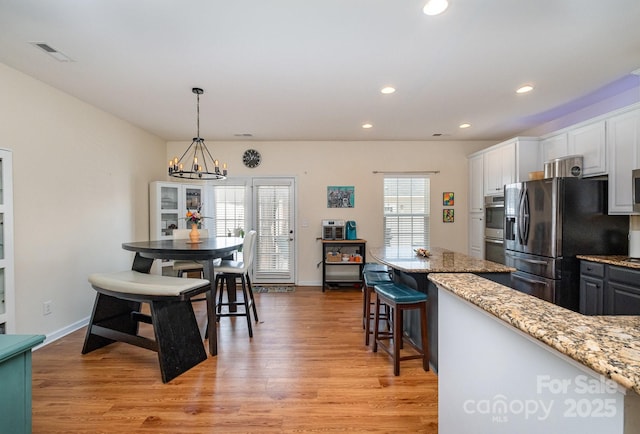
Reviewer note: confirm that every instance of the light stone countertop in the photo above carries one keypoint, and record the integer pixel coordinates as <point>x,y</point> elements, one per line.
<point>439,261</point>
<point>620,261</point>
<point>610,345</point>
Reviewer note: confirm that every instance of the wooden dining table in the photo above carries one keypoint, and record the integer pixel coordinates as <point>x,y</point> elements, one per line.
<point>206,252</point>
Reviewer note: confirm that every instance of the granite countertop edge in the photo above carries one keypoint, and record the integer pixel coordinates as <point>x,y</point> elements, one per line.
<point>618,260</point>
<point>609,345</point>
<point>440,260</point>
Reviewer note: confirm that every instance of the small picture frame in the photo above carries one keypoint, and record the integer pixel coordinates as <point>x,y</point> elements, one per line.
<point>448,198</point>
<point>448,215</point>
<point>341,197</point>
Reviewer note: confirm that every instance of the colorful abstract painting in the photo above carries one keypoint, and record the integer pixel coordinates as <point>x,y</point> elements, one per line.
<point>447,198</point>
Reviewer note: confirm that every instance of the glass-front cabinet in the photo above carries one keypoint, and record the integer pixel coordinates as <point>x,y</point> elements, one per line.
<point>168,206</point>
<point>6,243</point>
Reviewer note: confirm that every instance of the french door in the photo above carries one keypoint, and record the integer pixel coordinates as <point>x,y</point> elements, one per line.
<point>273,203</point>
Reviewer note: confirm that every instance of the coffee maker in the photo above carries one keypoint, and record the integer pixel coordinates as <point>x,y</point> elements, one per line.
<point>351,230</point>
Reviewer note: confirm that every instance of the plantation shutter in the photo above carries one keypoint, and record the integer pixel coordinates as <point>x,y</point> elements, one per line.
<point>406,211</point>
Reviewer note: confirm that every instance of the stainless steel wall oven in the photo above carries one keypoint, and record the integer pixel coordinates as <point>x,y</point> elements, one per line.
<point>494,229</point>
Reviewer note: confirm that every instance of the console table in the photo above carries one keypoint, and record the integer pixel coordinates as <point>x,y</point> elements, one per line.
<point>335,271</point>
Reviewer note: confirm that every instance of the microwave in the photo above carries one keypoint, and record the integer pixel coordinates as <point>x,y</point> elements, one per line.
<point>635,188</point>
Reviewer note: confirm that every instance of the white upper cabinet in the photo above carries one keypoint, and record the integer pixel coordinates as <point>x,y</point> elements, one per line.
<point>587,140</point>
<point>623,139</point>
<point>554,147</point>
<point>499,168</point>
<point>509,162</point>
<point>590,142</point>
<point>476,186</point>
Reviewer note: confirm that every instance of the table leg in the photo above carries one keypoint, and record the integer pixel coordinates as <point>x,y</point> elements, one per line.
<point>212,330</point>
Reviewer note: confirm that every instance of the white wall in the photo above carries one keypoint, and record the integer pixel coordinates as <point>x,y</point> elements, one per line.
<point>317,165</point>
<point>80,189</point>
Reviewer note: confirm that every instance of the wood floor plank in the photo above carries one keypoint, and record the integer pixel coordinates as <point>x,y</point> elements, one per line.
<point>305,370</point>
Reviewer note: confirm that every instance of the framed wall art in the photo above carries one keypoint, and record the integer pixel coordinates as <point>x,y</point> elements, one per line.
<point>448,198</point>
<point>448,215</point>
<point>340,197</point>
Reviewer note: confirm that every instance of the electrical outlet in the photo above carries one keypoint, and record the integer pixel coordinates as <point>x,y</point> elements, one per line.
<point>47,307</point>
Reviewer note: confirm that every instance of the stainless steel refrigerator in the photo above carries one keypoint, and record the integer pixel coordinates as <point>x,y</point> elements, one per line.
<point>547,223</point>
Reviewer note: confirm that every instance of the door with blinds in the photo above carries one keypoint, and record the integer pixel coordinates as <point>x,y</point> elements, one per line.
<point>274,218</point>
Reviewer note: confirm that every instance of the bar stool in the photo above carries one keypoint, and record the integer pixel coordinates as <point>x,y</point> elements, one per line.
<point>375,267</point>
<point>229,271</point>
<point>371,279</point>
<point>400,298</point>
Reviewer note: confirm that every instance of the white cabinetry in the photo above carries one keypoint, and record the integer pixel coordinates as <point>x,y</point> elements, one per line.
<point>554,147</point>
<point>168,205</point>
<point>476,235</point>
<point>588,140</point>
<point>489,170</point>
<point>476,196</point>
<point>476,206</point>
<point>623,139</point>
<point>7,303</point>
<point>499,168</point>
<point>509,162</point>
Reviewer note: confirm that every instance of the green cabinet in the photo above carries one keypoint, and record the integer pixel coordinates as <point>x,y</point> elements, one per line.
<point>15,382</point>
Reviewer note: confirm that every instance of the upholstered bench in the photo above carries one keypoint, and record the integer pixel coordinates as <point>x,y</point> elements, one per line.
<point>400,298</point>
<point>116,317</point>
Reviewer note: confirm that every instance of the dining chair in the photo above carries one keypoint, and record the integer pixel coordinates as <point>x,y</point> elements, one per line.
<point>228,272</point>
<point>181,266</point>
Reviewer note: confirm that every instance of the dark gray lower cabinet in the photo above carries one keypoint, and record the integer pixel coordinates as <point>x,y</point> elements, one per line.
<point>592,277</point>
<point>623,291</point>
<point>609,289</point>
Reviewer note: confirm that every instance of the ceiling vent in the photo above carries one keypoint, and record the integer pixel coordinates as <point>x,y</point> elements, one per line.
<point>60,57</point>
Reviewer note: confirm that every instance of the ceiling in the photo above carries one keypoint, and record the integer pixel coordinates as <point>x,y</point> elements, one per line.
<point>313,69</point>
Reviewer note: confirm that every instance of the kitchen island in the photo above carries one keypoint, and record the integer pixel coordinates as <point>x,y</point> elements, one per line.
<point>413,270</point>
<point>510,362</point>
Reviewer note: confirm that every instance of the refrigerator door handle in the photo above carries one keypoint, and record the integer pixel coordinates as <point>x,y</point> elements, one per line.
<point>532,281</point>
<point>524,217</point>
<point>533,261</point>
<point>521,222</point>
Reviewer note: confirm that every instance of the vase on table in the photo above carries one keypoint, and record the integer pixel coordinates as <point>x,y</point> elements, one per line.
<point>194,235</point>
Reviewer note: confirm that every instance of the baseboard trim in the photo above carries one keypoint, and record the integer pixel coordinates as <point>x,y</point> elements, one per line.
<point>52,337</point>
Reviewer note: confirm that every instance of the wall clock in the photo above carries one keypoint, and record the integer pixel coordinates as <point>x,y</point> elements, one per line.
<point>251,158</point>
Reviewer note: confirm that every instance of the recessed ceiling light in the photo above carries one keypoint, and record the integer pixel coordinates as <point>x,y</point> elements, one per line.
<point>367,126</point>
<point>435,7</point>
<point>524,89</point>
<point>465,125</point>
<point>387,90</point>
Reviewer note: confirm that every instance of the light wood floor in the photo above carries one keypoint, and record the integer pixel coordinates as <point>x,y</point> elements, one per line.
<point>305,370</point>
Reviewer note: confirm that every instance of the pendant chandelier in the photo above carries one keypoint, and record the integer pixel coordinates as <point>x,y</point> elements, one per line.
<point>197,162</point>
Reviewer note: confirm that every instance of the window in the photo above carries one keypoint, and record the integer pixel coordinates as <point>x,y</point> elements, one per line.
<point>406,211</point>
<point>229,212</point>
